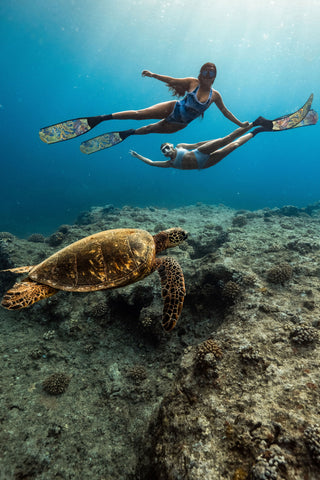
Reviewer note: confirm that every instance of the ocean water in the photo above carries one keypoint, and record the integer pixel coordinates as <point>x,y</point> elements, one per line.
<point>75,58</point>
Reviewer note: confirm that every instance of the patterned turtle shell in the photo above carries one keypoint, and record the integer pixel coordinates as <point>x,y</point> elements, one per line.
<point>108,259</point>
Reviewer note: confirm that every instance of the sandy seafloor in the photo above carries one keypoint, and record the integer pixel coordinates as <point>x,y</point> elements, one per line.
<point>231,394</point>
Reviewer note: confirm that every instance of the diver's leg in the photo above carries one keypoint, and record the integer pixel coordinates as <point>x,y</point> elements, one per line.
<point>160,127</point>
<point>219,155</point>
<point>158,111</point>
<point>213,145</point>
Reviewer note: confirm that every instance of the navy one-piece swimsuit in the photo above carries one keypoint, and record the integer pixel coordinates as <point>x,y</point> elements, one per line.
<point>188,108</point>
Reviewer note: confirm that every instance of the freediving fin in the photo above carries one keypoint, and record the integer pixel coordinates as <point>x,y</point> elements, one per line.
<point>310,119</point>
<point>68,129</point>
<point>106,140</point>
<point>293,120</point>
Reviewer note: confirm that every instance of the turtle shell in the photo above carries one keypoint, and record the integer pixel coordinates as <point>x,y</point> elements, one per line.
<point>108,259</point>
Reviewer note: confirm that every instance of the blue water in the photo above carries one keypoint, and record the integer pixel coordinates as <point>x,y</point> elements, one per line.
<point>74,58</point>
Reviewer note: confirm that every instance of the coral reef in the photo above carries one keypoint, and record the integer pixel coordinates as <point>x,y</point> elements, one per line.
<point>208,348</point>
<point>55,239</point>
<point>279,273</point>
<point>304,335</point>
<point>231,393</point>
<point>36,238</point>
<point>312,439</point>
<point>138,373</point>
<point>6,236</point>
<point>249,354</point>
<point>239,221</point>
<point>56,383</point>
<point>268,464</point>
<point>64,229</point>
<point>231,292</point>
<point>98,310</point>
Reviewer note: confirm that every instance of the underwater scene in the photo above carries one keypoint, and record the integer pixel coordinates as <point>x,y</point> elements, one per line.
<point>160,240</point>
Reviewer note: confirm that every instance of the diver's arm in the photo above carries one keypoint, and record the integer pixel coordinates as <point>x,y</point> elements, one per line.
<point>219,102</point>
<point>165,164</point>
<point>187,83</point>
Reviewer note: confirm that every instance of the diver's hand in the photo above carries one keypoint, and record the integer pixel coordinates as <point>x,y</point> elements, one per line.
<point>146,73</point>
<point>245,124</point>
<point>134,154</point>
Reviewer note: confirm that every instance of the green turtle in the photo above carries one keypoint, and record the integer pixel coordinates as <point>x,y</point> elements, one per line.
<point>108,259</point>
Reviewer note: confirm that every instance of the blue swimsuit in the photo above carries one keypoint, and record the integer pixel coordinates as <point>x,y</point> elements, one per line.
<point>188,108</point>
<point>201,158</point>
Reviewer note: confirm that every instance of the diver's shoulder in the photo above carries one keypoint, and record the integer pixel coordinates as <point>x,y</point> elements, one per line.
<point>193,83</point>
<point>215,95</point>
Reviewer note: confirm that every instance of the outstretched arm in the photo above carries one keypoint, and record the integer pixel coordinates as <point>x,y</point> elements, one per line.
<point>165,164</point>
<point>219,102</point>
<point>185,83</point>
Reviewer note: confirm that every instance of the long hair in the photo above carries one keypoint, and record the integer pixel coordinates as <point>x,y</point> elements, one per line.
<point>176,89</point>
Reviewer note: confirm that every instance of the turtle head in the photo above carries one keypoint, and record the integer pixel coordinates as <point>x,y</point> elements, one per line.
<point>169,238</point>
<point>175,236</point>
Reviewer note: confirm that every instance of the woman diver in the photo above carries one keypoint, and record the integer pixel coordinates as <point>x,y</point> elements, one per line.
<point>173,115</point>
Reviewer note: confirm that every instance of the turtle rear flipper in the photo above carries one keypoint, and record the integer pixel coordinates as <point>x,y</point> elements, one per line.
<point>24,294</point>
<point>19,269</point>
<point>173,290</point>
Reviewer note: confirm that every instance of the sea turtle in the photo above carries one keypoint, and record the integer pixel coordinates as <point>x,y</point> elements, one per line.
<point>108,259</point>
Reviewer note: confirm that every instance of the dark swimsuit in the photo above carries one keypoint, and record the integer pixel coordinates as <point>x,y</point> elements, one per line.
<point>188,108</point>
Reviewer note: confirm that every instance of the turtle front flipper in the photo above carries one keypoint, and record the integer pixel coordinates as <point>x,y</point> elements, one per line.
<point>173,290</point>
<point>24,294</point>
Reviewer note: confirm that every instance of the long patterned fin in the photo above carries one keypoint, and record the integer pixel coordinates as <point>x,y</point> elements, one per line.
<point>106,140</point>
<point>292,120</point>
<point>310,119</point>
<point>101,142</point>
<point>173,290</point>
<point>64,130</point>
<point>68,129</point>
<point>24,294</point>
